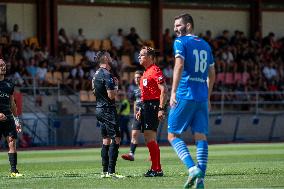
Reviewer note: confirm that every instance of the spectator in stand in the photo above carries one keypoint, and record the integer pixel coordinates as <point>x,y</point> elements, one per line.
<point>256,39</point>
<point>27,53</point>
<point>13,53</point>
<point>79,40</point>
<point>223,40</point>
<point>16,37</point>
<point>77,75</point>
<point>117,41</point>
<point>64,42</point>
<point>41,72</point>
<point>15,72</point>
<point>280,69</point>
<point>235,39</point>
<point>269,40</point>
<point>1,51</point>
<point>134,38</point>
<point>41,54</point>
<point>269,71</point>
<point>168,73</point>
<point>32,68</point>
<point>227,55</point>
<point>45,52</point>
<point>90,55</point>
<point>116,64</point>
<point>167,42</point>
<point>208,38</point>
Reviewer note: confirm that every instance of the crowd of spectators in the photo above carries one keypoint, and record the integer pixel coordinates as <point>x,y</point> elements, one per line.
<point>242,63</point>
<point>248,64</point>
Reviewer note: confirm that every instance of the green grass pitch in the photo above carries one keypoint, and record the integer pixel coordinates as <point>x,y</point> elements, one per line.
<point>230,166</point>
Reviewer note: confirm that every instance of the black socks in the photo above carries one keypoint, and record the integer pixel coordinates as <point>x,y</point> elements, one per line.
<point>13,161</point>
<point>105,157</point>
<point>113,153</point>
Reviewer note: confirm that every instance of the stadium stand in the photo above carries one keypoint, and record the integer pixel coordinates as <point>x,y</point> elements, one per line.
<point>250,74</point>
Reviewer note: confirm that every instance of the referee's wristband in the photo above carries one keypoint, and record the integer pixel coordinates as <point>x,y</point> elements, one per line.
<point>161,109</point>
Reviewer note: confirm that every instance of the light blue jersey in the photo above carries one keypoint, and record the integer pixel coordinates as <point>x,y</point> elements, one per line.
<point>197,56</point>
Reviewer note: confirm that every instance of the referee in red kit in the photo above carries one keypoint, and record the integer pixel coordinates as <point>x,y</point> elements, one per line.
<point>154,97</point>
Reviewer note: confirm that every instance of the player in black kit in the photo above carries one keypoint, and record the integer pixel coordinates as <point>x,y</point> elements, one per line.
<point>104,87</point>
<point>9,122</point>
<point>136,126</point>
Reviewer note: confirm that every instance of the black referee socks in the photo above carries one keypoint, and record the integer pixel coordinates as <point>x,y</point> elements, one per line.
<point>113,153</point>
<point>13,161</point>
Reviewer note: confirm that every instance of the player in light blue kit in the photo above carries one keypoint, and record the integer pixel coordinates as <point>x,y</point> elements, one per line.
<point>193,80</point>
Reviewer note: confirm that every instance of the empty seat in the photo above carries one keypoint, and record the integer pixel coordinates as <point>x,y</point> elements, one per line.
<point>220,77</point>
<point>33,40</point>
<point>229,78</point>
<point>125,59</point>
<point>106,44</point>
<point>89,42</point>
<point>77,59</point>
<point>57,77</point>
<point>84,96</point>
<point>245,77</point>
<point>3,40</point>
<point>65,76</point>
<point>97,44</point>
<point>49,78</point>
<point>238,77</point>
<point>92,97</point>
<point>69,59</point>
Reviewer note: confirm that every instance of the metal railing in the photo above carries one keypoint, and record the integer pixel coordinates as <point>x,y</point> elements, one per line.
<point>254,100</point>
<point>224,102</point>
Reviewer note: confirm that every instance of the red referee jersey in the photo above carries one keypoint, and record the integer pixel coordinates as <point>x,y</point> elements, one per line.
<point>149,83</point>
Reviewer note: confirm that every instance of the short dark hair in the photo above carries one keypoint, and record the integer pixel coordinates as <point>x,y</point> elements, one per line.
<point>99,55</point>
<point>186,18</point>
<point>139,72</point>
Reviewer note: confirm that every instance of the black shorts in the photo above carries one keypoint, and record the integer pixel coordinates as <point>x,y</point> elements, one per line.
<point>108,121</point>
<point>8,128</point>
<point>149,115</point>
<point>136,125</point>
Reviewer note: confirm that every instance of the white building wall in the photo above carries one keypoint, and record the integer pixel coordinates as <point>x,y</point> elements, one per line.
<point>214,20</point>
<point>273,22</point>
<point>24,15</point>
<point>100,22</point>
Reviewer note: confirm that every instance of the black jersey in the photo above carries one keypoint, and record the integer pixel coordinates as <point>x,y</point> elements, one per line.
<point>137,97</point>
<point>103,81</point>
<point>6,91</point>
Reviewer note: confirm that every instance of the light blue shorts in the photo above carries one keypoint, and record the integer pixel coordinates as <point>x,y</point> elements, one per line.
<point>188,113</point>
